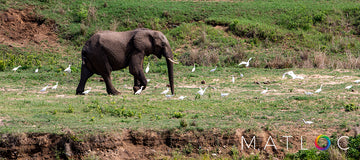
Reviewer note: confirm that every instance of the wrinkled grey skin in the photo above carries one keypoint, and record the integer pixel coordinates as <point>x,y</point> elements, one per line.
<point>108,51</point>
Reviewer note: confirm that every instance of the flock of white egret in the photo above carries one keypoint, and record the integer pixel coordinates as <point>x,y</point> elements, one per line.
<point>68,69</point>
<point>201,91</point>
<point>247,64</point>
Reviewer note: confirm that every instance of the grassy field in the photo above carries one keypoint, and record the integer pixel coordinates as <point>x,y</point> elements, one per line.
<point>26,109</point>
<point>318,40</point>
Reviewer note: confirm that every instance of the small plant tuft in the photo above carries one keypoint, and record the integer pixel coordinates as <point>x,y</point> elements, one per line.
<point>351,107</point>
<point>183,123</point>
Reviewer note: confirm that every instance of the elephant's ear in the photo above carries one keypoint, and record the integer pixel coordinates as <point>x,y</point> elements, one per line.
<point>142,41</point>
<point>157,43</point>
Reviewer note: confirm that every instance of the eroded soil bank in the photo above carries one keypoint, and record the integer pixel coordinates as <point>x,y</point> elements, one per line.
<point>128,144</point>
<point>148,144</point>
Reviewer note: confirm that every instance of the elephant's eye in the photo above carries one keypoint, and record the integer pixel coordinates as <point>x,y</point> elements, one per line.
<point>163,44</point>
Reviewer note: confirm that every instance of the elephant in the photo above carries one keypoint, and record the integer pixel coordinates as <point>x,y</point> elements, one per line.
<point>108,51</point>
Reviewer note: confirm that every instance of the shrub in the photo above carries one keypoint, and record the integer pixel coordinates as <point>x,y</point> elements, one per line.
<point>309,154</point>
<point>279,62</point>
<point>183,123</point>
<point>351,107</point>
<point>354,149</point>
<point>177,115</point>
<point>70,110</point>
<point>2,65</point>
<point>297,18</point>
<point>319,16</point>
<point>81,14</point>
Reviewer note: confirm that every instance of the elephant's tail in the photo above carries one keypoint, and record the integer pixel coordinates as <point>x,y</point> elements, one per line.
<point>83,57</point>
<point>85,62</point>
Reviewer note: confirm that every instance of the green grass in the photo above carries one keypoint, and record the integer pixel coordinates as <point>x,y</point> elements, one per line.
<point>25,109</point>
<point>278,31</point>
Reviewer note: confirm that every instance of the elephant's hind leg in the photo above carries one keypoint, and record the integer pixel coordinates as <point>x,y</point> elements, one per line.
<point>109,86</point>
<point>85,75</point>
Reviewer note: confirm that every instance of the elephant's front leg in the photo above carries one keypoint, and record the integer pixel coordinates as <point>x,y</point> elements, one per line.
<point>137,84</point>
<point>136,69</point>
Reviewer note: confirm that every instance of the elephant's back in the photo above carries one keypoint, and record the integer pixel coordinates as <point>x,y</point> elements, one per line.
<point>109,47</point>
<point>108,40</point>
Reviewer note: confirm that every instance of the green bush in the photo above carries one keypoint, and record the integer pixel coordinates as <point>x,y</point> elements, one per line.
<point>310,154</point>
<point>183,123</point>
<point>177,115</point>
<point>351,107</point>
<point>2,65</point>
<point>354,148</point>
<point>319,16</point>
<point>256,30</point>
<point>81,14</point>
<point>297,18</point>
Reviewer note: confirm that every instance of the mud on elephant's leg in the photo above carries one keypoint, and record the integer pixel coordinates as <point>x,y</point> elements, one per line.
<point>109,86</point>
<point>136,84</point>
<point>136,69</point>
<point>85,75</point>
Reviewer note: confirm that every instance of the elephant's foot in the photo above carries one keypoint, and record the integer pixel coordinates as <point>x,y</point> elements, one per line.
<point>114,92</point>
<point>136,88</point>
<point>80,93</point>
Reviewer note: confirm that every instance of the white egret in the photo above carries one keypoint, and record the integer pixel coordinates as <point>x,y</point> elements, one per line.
<point>307,122</point>
<point>44,89</point>
<point>169,95</point>
<point>292,74</point>
<point>147,68</point>
<point>68,69</point>
<point>148,80</point>
<point>299,77</point>
<point>213,70</point>
<point>308,93</point>
<point>224,94</point>
<point>165,91</point>
<point>264,91</point>
<point>348,87</point>
<point>246,63</point>
<point>87,91</point>
<point>233,79</point>
<point>182,97</point>
<point>139,91</point>
<point>319,90</point>
<point>54,87</point>
<point>357,81</point>
<point>36,70</point>
<point>201,91</point>
<point>16,68</point>
<point>193,70</point>
<point>287,73</point>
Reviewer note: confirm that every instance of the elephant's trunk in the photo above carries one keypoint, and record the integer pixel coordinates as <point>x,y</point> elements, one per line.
<point>170,67</point>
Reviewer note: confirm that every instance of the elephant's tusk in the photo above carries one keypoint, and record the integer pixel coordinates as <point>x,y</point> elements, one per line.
<point>172,61</point>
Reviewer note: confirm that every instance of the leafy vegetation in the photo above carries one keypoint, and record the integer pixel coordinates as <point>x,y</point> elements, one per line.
<point>320,34</point>
<point>351,107</point>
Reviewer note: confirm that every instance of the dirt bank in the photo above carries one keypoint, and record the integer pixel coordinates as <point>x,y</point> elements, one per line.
<point>20,28</point>
<point>149,144</point>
